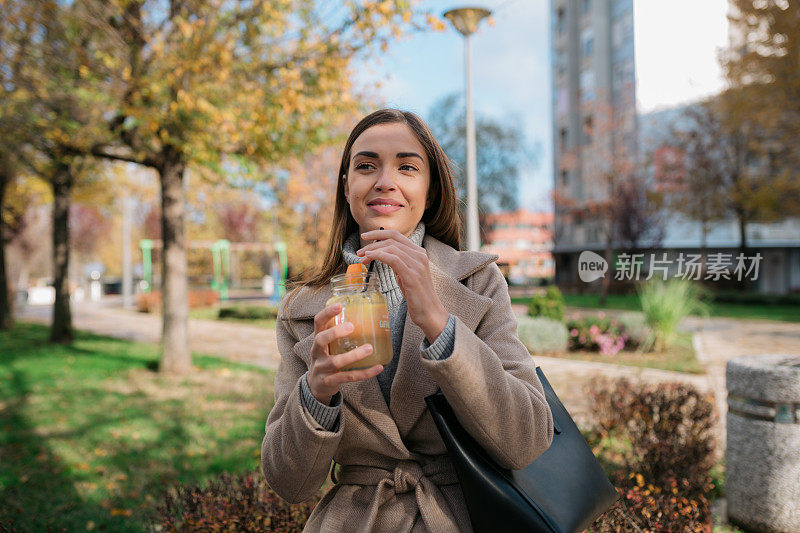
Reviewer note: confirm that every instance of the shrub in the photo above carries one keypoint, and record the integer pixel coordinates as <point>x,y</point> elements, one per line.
<point>542,335</point>
<point>635,327</point>
<point>650,508</point>
<point>231,503</point>
<point>665,304</point>
<point>249,312</point>
<point>753,298</point>
<point>150,302</point>
<point>664,478</point>
<point>203,298</point>
<point>548,305</point>
<point>600,334</point>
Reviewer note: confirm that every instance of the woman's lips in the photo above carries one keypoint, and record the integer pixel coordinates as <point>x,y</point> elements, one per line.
<point>385,209</point>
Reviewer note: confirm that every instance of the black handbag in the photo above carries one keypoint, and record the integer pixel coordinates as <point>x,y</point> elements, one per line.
<point>563,490</point>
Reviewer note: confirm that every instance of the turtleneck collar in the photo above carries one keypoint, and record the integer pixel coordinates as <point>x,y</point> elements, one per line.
<point>386,278</point>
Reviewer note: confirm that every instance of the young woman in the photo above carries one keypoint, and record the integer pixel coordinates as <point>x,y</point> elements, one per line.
<point>452,328</point>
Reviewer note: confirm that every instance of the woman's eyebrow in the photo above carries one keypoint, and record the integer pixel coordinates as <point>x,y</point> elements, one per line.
<point>373,155</point>
<point>402,155</point>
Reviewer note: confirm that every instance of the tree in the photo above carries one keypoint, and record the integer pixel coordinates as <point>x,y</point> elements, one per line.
<point>219,87</point>
<point>637,217</point>
<point>55,115</point>
<point>608,166</point>
<point>762,68</point>
<point>500,151</point>
<point>6,177</point>
<point>27,229</point>
<point>699,168</point>
<point>304,199</point>
<point>728,133</point>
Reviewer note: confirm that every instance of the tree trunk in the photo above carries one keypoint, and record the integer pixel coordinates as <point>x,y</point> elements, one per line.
<point>176,357</point>
<point>742,234</point>
<point>703,247</point>
<point>742,283</point>
<point>61,329</point>
<point>605,281</point>
<point>6,318</point>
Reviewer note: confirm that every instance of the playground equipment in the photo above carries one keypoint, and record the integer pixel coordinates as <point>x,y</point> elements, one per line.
<point>221,251</point>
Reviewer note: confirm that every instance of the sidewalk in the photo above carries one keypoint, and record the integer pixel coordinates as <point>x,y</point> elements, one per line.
<point>716,341</point>
<point>238,342</point>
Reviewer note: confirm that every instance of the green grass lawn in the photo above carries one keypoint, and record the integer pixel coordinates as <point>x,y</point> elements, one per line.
<point>212,313</point>
<point>679,358</point>
<point>630,302</point>
<point>91,436</point>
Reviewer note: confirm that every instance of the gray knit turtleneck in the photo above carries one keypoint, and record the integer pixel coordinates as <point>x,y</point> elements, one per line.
<point>387,282</point>
<point>328,416</point>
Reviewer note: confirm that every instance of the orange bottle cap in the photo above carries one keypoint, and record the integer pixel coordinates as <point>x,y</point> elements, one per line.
<point>357,268</point>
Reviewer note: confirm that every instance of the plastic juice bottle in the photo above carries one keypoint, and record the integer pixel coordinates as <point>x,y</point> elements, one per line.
<point>364,306</point>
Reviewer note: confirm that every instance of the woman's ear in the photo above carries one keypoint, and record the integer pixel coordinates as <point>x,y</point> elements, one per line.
<point>346,188</point>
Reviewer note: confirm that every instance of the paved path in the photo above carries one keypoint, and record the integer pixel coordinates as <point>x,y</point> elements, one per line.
<point>716,341</point>
<point>239,342</point>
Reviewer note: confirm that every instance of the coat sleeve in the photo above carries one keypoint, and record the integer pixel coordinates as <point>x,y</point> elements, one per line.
<point>296,452</point>
<point>490,381</point>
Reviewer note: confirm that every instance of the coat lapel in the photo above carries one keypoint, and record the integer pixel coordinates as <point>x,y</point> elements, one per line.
<point>412,382</point>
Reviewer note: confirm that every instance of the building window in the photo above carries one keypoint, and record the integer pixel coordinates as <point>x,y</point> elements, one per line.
<point>560,16</point>
<point>562,104</point>
<point>563,139</point>
<point>561,61</point>
<point>564,178</point>
<point>588,130</point>
<point>587,42</point>
<point>587,85</point>
<point>622,29</point>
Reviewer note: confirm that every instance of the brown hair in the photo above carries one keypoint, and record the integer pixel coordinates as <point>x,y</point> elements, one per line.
<point>441,218</point>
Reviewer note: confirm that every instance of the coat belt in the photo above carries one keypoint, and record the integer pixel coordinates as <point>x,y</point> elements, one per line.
<point>410,476</point>
<point>405,477</point>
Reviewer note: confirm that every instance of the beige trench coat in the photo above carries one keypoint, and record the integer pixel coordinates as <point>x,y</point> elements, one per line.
<point>395,475</point>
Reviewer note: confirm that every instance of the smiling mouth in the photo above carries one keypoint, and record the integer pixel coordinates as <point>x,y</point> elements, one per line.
<point>384,209</point>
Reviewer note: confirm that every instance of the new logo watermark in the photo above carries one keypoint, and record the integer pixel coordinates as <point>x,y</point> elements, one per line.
<point>591,266</point>
<point>635,267</point>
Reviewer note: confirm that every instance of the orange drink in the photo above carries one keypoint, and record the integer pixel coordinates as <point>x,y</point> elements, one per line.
<point>365,307</point>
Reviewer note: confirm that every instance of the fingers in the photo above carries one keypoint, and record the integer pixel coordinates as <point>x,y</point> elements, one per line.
<point>349,376</point>
<point>397,258</point>
<point>381,234</point>
<point>356,354</point>
<point>402,242</point>
<point>321,319</point>
<point>331,367</point>
<point>325,337</point>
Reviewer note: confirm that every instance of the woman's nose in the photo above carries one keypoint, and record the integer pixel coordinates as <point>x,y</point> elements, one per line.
<point>385,180</point>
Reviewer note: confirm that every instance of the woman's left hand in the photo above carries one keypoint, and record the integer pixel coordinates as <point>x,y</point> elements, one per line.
<point>412,269</point>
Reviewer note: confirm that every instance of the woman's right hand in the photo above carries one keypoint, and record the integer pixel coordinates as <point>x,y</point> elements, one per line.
<point>325,375</point>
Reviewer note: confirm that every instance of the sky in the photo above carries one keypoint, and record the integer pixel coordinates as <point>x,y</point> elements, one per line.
<point>676,45</point>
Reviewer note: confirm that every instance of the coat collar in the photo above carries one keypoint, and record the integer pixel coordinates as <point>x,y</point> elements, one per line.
<point>445,260</point>
<point>412,382</point>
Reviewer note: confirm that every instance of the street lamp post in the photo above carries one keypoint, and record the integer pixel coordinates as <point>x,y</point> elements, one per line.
<point>466,21</point>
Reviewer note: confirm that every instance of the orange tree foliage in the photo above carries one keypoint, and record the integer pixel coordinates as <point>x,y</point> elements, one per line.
<point>257,80</point>
<point>303,209</point>
<point>224,87</point>
<point>762,66</point>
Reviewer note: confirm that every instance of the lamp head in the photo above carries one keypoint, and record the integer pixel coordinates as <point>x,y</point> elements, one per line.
<point>466,19</point>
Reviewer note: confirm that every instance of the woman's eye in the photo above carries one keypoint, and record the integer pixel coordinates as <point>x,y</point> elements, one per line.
<point>362,166</point>
<point>408,167</point>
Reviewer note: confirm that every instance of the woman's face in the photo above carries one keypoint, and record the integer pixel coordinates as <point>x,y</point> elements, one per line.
<point>388,179</point>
